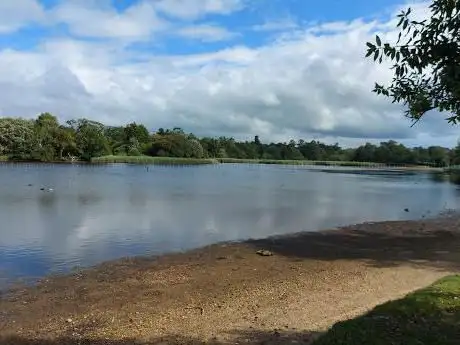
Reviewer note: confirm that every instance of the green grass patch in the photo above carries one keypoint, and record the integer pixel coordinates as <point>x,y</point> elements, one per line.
<point>263,161</point>
<point>3,158</point>
<point>300,162</point>
<point>453,168</point>
<point>348,164</point>
<point>151,160</point>
<point>428,316</point>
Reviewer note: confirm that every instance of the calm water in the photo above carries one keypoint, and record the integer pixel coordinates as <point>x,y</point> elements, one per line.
<point>98,213</point>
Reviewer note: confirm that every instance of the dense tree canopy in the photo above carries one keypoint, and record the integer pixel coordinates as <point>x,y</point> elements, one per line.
<point>16,137</point>
<point>45,139</point>
<point>426,61</point>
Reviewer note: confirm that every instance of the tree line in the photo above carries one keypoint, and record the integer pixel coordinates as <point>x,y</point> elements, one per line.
<point>45,139</point>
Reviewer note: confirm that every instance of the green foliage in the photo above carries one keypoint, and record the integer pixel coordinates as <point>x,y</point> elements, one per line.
<point>137,132</point>
<point>428,316</point>
<point>44,139</point>
<point>46,130</point>
<point>455,155</point>
<point>90,138</point>
<point>426,61</point>
<point>16,137</point>
<point>176,143</point>
<point>116,139</point>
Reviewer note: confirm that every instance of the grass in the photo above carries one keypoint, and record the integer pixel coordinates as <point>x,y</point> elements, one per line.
<point>298,162</point>
<point>151,160</point>
<point>263,161</point>
<point>453,168</point>
<point>195,161</point>
<point>321,163</point>
<point>428,316</point>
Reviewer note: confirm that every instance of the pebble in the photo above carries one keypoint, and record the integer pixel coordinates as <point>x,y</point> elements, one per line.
<point>264,252</point>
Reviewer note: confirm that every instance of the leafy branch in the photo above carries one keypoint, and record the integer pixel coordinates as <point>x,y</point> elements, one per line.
<point>426,62</point>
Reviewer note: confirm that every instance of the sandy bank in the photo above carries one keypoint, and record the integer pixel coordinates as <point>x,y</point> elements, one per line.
<point>224,294</point>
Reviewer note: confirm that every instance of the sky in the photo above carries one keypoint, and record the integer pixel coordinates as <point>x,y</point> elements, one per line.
<point>279,69</point>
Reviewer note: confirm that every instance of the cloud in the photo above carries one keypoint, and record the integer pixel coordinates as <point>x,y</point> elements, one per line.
<point>19,13</point>
<point>206,33</point>
<point>97,19</point>
<point>310,83</point>
<point>192,9</point>
<point>277,25</point>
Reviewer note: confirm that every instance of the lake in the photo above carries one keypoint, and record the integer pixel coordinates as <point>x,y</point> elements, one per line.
<point>57,217</point>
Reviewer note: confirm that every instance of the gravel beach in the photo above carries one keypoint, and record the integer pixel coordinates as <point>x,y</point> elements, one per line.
<point>230,293</point>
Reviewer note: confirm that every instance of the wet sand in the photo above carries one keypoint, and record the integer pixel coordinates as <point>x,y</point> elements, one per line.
<point>227,293</point>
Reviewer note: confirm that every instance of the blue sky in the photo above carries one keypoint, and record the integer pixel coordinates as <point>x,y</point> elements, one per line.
<point>273,68</point>
<point>255,13</point>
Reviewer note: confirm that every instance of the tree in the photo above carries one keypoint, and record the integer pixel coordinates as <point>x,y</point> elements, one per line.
<point>426,62</point>
<point>439,156</point>
<point>365,153</point>
<point>47,144</point>
<point>16,137</point>
<point>116,138</point>
<point>44,139</point>
<point>139,132</point>
<point>66,142</point>
<point>455,160</point>
<point>313,151</point>
<point>211,146</point>
<point>90,138</point>
<point>176,143</point>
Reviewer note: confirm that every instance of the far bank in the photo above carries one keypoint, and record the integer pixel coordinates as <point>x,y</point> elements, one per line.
<point>143,159</point>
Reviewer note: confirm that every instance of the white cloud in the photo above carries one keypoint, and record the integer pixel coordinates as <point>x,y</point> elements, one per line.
<point>18,13</point>
<point>305,85</point>
<point>206,33</point>
<point>277,25</point>
<point>98,19</point>
<point>192,9</point>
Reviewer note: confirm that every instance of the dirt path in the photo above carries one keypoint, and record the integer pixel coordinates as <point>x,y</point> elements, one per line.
<point>226,294</point>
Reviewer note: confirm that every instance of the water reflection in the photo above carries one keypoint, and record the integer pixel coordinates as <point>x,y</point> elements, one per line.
<point>452,177</point>
<point>105,212</point>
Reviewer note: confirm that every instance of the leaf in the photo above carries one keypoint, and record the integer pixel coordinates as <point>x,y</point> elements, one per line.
<point>376,55</point>
<point>406,22</point>
<point>378,41</point>
<point>369,52</point>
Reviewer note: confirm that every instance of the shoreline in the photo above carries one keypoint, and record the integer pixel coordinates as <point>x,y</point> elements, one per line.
<point>227,291</point>
<point>31,282</point>
<point>150,160</point>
